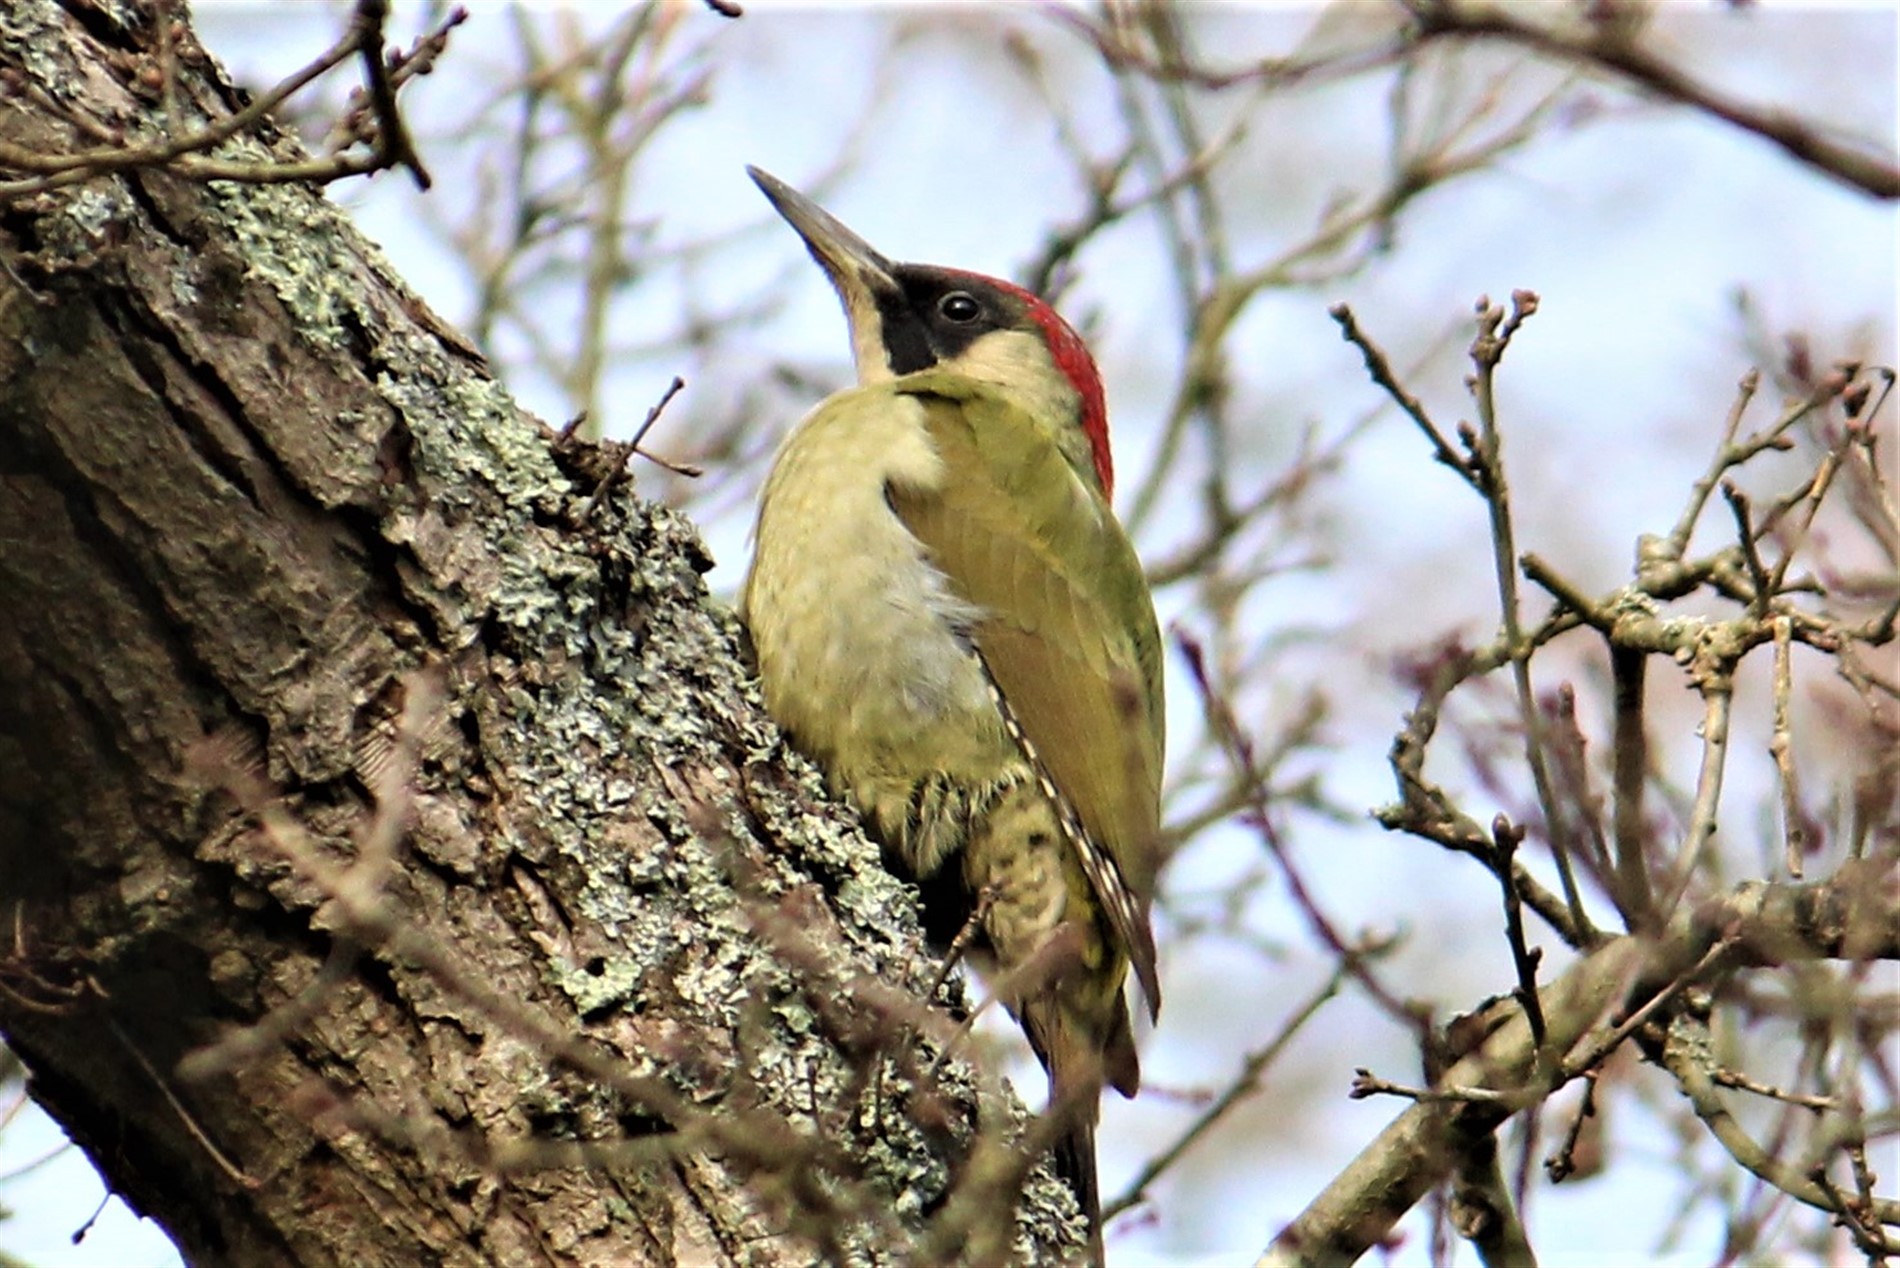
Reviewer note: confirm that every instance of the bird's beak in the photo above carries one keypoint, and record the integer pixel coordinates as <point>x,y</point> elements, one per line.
<point>858,271</point>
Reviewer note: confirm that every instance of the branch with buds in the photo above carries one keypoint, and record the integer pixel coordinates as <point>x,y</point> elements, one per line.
<point>1691,945</point>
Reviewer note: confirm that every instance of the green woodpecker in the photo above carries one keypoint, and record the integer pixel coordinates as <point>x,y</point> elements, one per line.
<point>950,620</point>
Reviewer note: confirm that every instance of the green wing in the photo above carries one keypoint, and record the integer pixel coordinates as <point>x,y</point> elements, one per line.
<point>1068,632</point>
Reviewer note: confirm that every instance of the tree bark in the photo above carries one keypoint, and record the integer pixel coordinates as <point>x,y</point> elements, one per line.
<point>571,966</point>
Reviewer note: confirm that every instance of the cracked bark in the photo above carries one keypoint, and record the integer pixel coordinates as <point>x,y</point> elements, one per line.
<point>248,485</point>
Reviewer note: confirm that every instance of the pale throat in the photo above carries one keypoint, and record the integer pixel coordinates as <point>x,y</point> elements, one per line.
<point>867,346</point>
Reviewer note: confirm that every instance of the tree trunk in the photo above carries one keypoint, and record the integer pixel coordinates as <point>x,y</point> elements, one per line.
<point>358,753</point>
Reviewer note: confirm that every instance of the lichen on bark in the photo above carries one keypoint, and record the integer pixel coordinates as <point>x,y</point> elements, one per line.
<point>257,495</point>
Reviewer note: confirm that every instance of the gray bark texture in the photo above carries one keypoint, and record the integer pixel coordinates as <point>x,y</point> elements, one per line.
<point>575,966</point>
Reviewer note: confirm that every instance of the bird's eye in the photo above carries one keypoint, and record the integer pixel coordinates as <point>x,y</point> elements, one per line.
<point>959,307</point>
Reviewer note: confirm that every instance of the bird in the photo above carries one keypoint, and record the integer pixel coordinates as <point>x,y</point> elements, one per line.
<point>949,619</point>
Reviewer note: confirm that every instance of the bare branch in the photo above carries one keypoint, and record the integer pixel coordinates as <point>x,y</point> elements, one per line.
<point>1612,48</point>
<point>186,154</point>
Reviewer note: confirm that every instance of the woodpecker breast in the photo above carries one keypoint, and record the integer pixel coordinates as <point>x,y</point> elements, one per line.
<point>863,647</point>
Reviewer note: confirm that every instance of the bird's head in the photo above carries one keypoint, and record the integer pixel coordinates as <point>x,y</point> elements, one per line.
<point>910,317</point>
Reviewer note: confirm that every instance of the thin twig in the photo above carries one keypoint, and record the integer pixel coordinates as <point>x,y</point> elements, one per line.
<point>1380,370</point>
<point>392,134</point>
<point>1751,549</point>
<point>1562,1164</point>
<point>1794,833</point>
<point>236,1174</point>
<point>1245,1084</point>
<point>1860,167</point>
<point>1686,1055</point>
<point>1743,1083</point>
<point>1629,781</point>
<point>1495,330</point>
<point>1506,837</point>
<point>673,389</point>
<point>1717,699</point>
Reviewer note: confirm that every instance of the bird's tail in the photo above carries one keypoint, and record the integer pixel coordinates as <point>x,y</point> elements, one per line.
<point>1078,1058</point>
<point>1074,1152</point>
